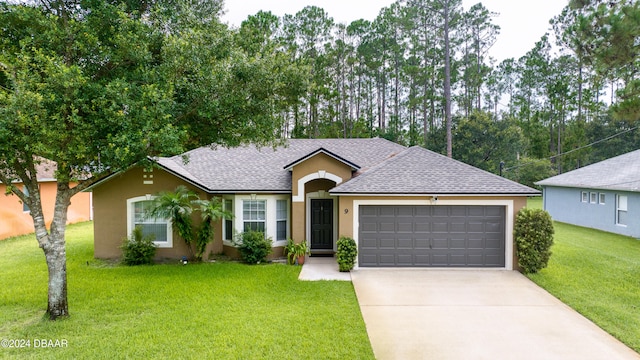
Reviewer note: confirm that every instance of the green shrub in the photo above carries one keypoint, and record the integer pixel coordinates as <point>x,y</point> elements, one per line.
<point>533,232</point>
<point>254,247</point>
<point>347,252</point>
<point>139,249</point>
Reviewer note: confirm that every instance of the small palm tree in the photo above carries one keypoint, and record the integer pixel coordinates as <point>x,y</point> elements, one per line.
<point>177,206</point>
<point>211,211</point>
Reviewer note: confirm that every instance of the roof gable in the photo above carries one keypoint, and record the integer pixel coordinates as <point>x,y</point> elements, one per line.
<point>322,151</point>
<point>420,171</point>
<point>618,173</point>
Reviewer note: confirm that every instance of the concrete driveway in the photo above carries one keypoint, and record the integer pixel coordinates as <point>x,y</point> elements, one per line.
<point>473,314</point>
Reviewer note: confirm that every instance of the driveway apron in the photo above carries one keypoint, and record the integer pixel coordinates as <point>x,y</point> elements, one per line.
<point>474,314</point>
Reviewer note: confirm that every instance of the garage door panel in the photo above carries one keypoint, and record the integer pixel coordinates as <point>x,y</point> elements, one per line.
<point>421,243</point>
<point>368,243</point>
<point>475,243</point>
<point>371,211</point>
<point>458,244</point>
<point>440,227</point>
<point>440,260</point>
<point>457,227</point>
<point>387,259</point>
<point>496,211</point>
<point>493,244</point>
<point>432,236</point>
<point>386,211</point>
<point>405,244</point>
<point>405,260</point>
<point>405,227</point>
<point>440,211</point>
<point>422,259</point>
<point>475,227</point>
<point>387,244</point>
<point>440,243</point>
<point>493,227</point>
<point>422,227</point>
<point>475,260</point>
<point>458,260</point>
<point>369,227</point>
<point>458,211</point>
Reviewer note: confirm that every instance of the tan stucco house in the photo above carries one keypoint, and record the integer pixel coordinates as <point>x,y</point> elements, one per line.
<point>405,207</point>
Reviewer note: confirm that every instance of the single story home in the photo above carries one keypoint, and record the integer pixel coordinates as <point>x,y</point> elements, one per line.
<point>405,207</point>
<point>15,217</point>
<point>604,195</point>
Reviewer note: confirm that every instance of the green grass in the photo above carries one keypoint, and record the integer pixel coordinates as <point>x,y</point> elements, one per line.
<point>211,310</point>
<point>598,274</point>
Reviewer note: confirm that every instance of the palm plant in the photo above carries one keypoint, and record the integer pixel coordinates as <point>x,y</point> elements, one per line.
<point>211,211</point>
<point>177,206</point>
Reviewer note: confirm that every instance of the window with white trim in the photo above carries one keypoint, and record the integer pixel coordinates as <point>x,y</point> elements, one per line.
<point>228,223</point>
<point>594,197</point>
<point>621,210</point>
<point>585,197</point>
<point>282,217</point>
<point>254,215</point>
<point>138,210</point>
<point>601,198</point>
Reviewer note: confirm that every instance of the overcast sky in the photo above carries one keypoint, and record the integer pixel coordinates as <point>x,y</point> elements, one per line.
<point>522,23</point>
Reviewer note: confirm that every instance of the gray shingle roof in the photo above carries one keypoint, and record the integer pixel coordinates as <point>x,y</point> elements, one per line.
<point>420,171</point>
<point>618,173</point>
<point>247,168</point>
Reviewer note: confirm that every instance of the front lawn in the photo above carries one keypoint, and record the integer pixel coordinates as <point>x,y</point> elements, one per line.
<point>598,274</point>
<point>211,310</point>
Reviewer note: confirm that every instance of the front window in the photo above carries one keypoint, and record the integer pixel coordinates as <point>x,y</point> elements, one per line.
<point>228,223</point>
<point>282,216</point>
<point>594,196</point>
<point>621,210</point>
<point>254,215</point>
<point>602,198</point>
<point>138,210</point>
<point>584,197</point>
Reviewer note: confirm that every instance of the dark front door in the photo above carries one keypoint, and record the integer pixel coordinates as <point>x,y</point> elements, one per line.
<point>321,224</point>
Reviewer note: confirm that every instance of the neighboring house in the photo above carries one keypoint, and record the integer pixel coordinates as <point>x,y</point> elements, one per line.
<point>403,206</point>
<point>15,217</point>
<point>604,195</point>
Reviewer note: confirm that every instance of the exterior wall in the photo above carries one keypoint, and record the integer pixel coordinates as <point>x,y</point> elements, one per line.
<point>14,221</point>
<point>348,213</point>
<point>565,205</point>
<point>110,210</point>
<point>321,172</point>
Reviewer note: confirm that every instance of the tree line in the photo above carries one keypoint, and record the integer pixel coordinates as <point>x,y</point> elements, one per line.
<point>420,74</point>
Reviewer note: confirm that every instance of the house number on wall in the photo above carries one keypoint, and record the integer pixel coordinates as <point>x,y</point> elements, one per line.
<point>346,211</point>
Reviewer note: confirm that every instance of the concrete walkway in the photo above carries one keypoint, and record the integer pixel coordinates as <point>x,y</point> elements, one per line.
<point>322,268</point>
<point>473,314</point>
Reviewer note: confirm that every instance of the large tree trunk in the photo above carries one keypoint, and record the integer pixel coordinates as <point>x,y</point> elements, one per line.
<point>53,244</point>
<point>57,265</point>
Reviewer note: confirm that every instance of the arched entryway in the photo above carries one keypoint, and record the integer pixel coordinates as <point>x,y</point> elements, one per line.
<point>322,216</point>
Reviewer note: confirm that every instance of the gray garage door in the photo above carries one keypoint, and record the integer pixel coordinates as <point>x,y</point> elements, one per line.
<point>431,236</point>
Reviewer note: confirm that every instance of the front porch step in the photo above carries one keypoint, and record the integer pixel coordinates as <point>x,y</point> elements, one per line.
<point>322,253</point>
